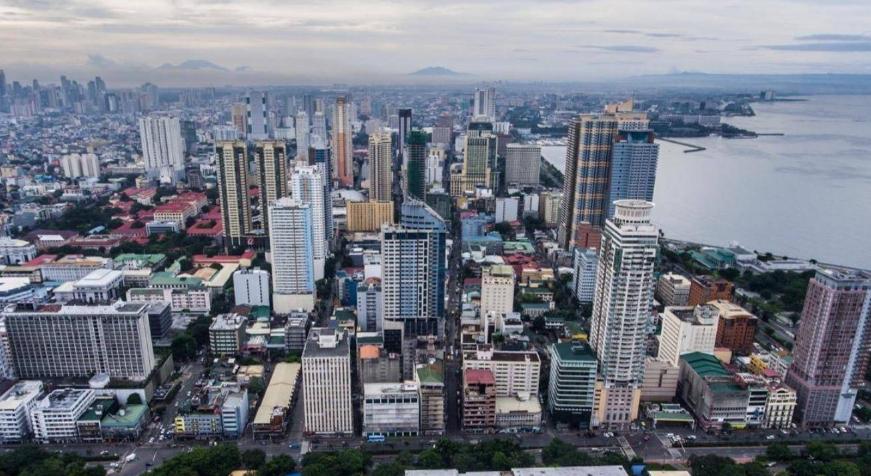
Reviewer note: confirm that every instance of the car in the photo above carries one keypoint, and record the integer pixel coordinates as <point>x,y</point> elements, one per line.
<point>770,437</point>
<point>691,437</point>
<point>293,445</point>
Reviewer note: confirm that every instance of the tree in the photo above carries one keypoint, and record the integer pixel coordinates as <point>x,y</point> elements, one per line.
<point>279,465</point>
<point>134,399</point>
<point>184,347</point>
<point>539,323</point>
<point>430,459</point>
<point>389,469</point>
<point>253,458</point>
<point>778,452</point>
<point>822,451</point>
<point>256,386</point>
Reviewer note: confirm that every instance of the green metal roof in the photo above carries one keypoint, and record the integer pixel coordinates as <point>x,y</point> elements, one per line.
<point>91,413</point>
<point>131,417</point>
<point>706,365</point>
<point>259,312</point>
<point>168,279</point>
<point>150,259</point>
<point>431,374</point>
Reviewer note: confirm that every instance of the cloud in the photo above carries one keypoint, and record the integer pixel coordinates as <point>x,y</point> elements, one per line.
<point>624,48</point>
<point>832,47</point>
<point>833,37</point>
<point>100,61</point>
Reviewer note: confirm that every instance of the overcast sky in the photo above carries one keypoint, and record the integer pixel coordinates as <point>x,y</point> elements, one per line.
<point>270,41</point>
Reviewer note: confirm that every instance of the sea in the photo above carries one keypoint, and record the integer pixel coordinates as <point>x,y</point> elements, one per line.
<point>806,193</point>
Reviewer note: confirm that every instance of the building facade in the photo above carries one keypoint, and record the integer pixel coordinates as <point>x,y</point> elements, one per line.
<point>572,384</point>
<point>290,238</point>
<point>326,383</point>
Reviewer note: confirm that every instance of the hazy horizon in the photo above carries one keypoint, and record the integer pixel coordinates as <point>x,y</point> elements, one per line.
<point>263,42</point>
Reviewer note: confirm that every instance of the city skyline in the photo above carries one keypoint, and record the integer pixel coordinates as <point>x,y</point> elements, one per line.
<point>217,43</point>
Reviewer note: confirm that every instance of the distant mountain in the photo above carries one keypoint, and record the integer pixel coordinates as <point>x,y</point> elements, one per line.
<point>193,65</point>
<point>436,71</point>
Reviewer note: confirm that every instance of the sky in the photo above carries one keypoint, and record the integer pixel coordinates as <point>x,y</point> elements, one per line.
<point>370,41</point>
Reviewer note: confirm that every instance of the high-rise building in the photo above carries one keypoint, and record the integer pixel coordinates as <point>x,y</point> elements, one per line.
<point>430,380</point>
<point>831,347</point>
<point>415,165</point>
<point>586,263</point>
<point>257,115</point>
<point>380,167</point>
<point>549,204</point>
<point>343,158</point>
<point>271,160</point>
<point>319,127</point>
<point>233,191</point>
<point>162,147</point>
<point>572,384</point>
<point>687,329</point>
<point>497,292</point>
<point>479,160</point>
<point>80,165</point>
<point>409,284</point>
<point>391,409</point>
<point>239,117</point>
<point>522,164</point>
<point>368,216</point>
<point>370,305</point>
<point>251,287</point>
<point>326,383</point>
<point>417,215</point>
<point>586,191</point>
<point>484,104</point>
<point>307,185</point>
<point>403,130</point>
<point>291,244</point>
<point>302,128</point>
<point>71,341</point>
<point>319,155</point>
<point>633,165</point>
<point>515,372</point>
<point>622,308</point>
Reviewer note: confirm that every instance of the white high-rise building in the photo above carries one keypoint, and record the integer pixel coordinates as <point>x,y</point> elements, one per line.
<point>251,287</point>
<point>485,104</point>
<point>292,252</point>
<point>686,329</point>
<point>326,383</point>
<point>622,308</point>
<point>319,126</point>
<point>162,147</point>
<point>370,305</point>
<point>307,188</point>
<point>257,110</point>
<point>497,292</point>
<point>586,261</point>
<point>80,165</point>
<point>302,136</point>
<point>71,341</point>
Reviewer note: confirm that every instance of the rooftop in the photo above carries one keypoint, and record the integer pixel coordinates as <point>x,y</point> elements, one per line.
<point>99,278</point>
<point>279,393</point>
<point>125,418</point>
<point>479,376</point>
<point>575,351</point>
<point>706,365</point>
<point>432,374</point>
<point>20,392</point>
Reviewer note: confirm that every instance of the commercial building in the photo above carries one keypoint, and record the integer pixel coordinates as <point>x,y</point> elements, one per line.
<point>515,373</point>
<point>484,104</point>
<point>507,209</point>
<point>410,279</point>
<point>368,216</point>
<point>415,165</point>
<point>162,147</point>
<point>15,408</point>
<point>831,347</point>
<point>376,365</point>
<point>291,243</point>
<point>430,380</point>
<point>736,329</point>
<point>687,329</point>
<point>518,414</point>
<point>572,383</point>
<point>227,334</point>
<point>380,167</point>
<point>343,159</point>
<point>257,121</point>
<point>326,383</point>
<point>479,159</point>
<point>780,407</point>
<point>522,164</point>
<point>711,392</point>
<point>232,173</point>
<point>704,289</point>
<point>271,160</point>
<point>59,341</point>
<point>660,380</point>
<point>633,164</point>
<point>73,267</point>
<point>622,307</point>
<point>251,287</point>
<point>479,401</point>
<point>370,305</point>
<point>54,418</point>
<point>549,204</point>
<point>218,410</point>
<point>195,300</point>
<point>497,291</point>
<point>391,409</point>
<point>307,187</point>
<point>673,289</point>
<point>15,252</point>
<point>273,415</point>
<point>296,331</point>
<point>586,262</point>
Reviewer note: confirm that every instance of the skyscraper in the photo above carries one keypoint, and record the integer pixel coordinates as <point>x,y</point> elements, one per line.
<point>257,115</point>
<point>380,167</point>
<point>522,164</point>
<point>302,136</point>
<point>480,155</point>
<point>417,215</point>
<point>308,188</point>
<point>233,190</point>
<point>319,126</point>
<point>292,248</point>
<point>404,129</point>
<point>319,155</point>
<point>585,205</point>
<point>633,165</point>
<point>343,158</point>
<point>831,347</point>
<point>484,105</point>
<point>162,147</point>
<point>415,165</point>
<point>271,160</point>
<point>621,308</point>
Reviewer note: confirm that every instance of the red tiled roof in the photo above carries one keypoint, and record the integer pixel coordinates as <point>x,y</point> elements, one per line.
<point>479,376</point>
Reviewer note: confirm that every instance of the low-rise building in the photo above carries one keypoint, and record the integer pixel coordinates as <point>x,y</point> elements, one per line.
<point>673,289</point>
<point>14,251</point>
<point>193,300</point>
<point>430,381</point>
<point>518,414</point>
<point>251,287</point>
<point>15,407</point>
<point>704,289</point>
<point>515,372</point>
<point>479,401</point>
<point>54,418</point>
<point>273,416</point>
<point>391,409</point>
<point>572,382</point>
<point>737,327</point>
<point>73,267</point>
<point>660,380</point>
<point>227,334</point>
